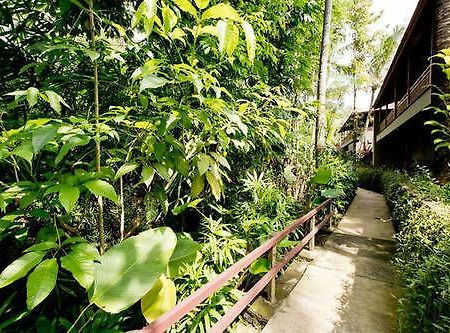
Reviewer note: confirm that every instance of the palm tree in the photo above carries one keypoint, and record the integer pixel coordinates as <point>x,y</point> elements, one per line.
<point>319,140</point>
<point>383,52</point>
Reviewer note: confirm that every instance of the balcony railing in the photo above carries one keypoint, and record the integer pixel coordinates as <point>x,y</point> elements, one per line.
<point>414,92</point>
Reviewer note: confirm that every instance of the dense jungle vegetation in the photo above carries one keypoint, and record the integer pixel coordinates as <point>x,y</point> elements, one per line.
<point>146,146</point>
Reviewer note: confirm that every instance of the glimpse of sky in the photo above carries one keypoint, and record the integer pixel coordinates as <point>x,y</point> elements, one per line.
<point>393,13</point>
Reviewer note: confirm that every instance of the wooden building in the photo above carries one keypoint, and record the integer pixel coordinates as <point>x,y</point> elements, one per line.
<point>356,135</point>
<point>401,108</point>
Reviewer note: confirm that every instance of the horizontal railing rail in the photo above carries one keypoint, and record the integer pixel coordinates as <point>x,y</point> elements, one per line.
<point>165,321</point>
<point>424,81</point>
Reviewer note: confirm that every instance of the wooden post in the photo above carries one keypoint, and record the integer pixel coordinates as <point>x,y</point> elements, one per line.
<point>395,98</point>
<point>408,79</point>
<point>273,259</point>
<point>333,211</point>
<point>312,227</point>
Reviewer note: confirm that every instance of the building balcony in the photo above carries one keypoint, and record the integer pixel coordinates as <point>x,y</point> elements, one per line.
<point>413,94</point>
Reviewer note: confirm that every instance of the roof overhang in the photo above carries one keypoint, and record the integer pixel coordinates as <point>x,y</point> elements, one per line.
<point>401,48</point>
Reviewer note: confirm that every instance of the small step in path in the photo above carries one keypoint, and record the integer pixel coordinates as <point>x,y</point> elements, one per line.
<point>349,287</point>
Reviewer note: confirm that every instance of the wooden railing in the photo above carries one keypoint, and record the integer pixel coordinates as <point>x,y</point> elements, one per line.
<point>421,85</point>
<point>402,105</point>
<point>348,139</point>
<point>315,221</point>
<point>414,92</point>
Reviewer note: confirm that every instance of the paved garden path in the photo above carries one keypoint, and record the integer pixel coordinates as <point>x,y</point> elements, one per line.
<point>349,286</point>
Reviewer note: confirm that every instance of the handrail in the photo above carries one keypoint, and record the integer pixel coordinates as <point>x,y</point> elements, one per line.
<point>165,321</point>
<point>410,97</point>
<point>422,76</point>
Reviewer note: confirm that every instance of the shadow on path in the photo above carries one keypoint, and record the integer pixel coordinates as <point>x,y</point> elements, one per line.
<point>350,285</point>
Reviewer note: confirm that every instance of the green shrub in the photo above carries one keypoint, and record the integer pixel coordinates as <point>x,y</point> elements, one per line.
<point>344,179</point>
<point>423,260</point>
<point>369,178</point>
<point>421,213</point>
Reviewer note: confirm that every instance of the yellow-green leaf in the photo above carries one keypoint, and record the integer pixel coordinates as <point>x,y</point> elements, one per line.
<point>250,40</point>
<point>128,270</point>
<point>231,38</point>
<point>147,175</point>
<point>262,265</point>
<point>214,183</point>
<point>222,11</point>
<point>160,299</point>
<point>186,6</point>
<point>198,183</point>
<point>170,19</point>
<point>32,96</point>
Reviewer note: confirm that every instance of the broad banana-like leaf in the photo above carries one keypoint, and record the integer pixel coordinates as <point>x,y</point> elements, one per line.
<point>128,271</point>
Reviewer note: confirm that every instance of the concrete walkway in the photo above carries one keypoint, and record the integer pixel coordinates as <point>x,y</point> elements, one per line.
<point>349,286</point>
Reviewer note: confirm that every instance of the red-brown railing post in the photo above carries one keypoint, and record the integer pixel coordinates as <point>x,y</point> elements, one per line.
<point>312,227</point>
<point>332,214</point>
<point>273,259</point>
<point>166,320</point>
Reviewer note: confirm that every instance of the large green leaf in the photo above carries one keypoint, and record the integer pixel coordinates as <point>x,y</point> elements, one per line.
<point>20,267</point>
<point>203,163</point>
<point>214,183</point>
<point>163,171</point>
<point>68,196</point>
<point>250,40</point>
<point>25,151</point>
<point>152,81</point>
<point>126,168</point>
<point>170,19</point>
<point>322,177</point>
<point>55,100</point>
<point>41,282</point>
<point>42,246</point>
<point>42,136</point>
<point>127,271</point>
<point>160,299</point>
<point>223,11</point>
<point>147,174</point>
<point>32,96</point>
<point>101,188</point>
<point>198,183</point>
<point>81,263</point>
<point>69,145</point>
<point>185,253</point>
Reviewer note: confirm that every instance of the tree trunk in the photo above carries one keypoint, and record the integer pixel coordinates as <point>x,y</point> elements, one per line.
<point>100,222</point>
<point>319,139</point>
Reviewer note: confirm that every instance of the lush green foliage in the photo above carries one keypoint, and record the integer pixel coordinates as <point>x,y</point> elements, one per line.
<point>123,127</point>
<point>421,209</point>
<point>146,146</point>
<point>441,124</point>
